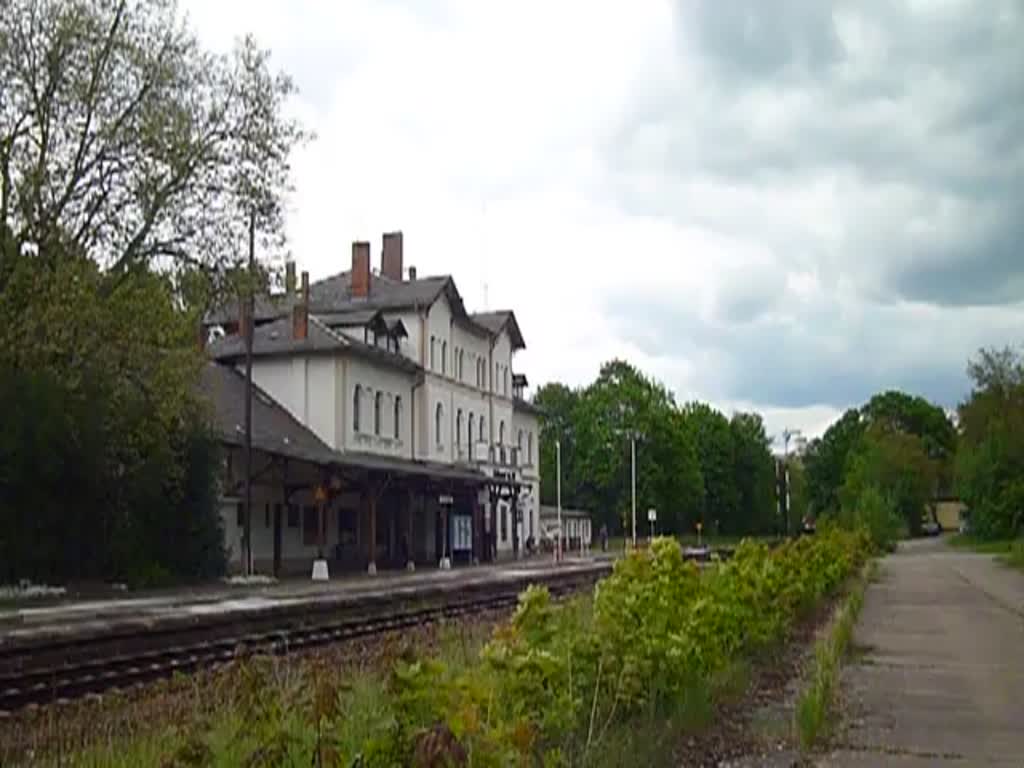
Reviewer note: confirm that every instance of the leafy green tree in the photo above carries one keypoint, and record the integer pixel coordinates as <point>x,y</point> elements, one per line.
<point>122,138</point>
<point>559,405</point>
<point>990,459</point>
<point>754,473</point>
<point>897,465</point>
<point>108,467</point>
<point>132,165</point>
<point>716,454</point>
<point>914,415</point>
<point>826,461</point>
<point>596,451</point>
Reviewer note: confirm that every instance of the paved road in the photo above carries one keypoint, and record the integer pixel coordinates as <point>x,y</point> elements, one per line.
<point>938,675</point>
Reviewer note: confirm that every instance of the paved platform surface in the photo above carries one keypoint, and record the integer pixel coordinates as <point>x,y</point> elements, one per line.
<point>26,621</point>
<point>938,675</point>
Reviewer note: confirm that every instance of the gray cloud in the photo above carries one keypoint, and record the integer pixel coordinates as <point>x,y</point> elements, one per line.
<point>903,127</point>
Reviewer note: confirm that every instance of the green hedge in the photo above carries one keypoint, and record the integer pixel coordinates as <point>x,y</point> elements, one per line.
<point>555,679</point>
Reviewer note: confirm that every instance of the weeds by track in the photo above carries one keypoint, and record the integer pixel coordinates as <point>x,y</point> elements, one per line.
<point>70,668</point>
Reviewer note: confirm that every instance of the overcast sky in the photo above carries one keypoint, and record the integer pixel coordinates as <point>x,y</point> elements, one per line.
<point>785,206</point>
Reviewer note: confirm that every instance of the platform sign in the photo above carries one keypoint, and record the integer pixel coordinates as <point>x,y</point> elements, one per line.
<point>652,515</point>
<point>445,499</point>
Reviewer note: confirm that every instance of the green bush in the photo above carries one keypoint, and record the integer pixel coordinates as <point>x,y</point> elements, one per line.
<point>601,680</point>
<point>874,513</point>
<point>556,679</point>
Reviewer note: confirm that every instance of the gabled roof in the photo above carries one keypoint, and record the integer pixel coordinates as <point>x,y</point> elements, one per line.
<point>274,429</point>
<point>333,296</point>
<point>276,339</point>
<point>498,321</point>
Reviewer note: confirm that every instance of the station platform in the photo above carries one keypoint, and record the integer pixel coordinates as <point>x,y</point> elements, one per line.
<point>26,623</point>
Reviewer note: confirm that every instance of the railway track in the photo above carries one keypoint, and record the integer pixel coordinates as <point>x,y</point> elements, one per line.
<point>31,676</point>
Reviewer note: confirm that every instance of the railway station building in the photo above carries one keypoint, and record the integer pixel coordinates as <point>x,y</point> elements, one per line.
<point>389,425</point>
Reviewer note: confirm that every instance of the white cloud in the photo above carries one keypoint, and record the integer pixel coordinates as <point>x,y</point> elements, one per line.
<point>734,213</point>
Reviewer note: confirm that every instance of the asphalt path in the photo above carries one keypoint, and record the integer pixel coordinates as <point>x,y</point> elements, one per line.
<point>937,674</point>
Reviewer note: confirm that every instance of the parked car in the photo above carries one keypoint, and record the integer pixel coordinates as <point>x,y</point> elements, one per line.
<point>931,528</point>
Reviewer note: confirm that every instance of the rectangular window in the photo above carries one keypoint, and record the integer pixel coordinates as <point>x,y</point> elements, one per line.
<point>503,513</point>
<point>310,518</point>
<point>293,516</point>
<point>240,513</point>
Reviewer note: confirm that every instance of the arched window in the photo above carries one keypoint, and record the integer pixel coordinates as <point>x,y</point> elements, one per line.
<point>501,433</point>
<point>433,353</point>
<point>462,359</point>
<point>481,429</point>
<point>529,449</point>
<point>444,357</point>
<point>398,418</point>
<point>504,373</point>
<point>357,399</point>
<point>438,423</point>
<point>378,405</point>
<point>519,443</point>
<point>497,377</point>
<point>458,428</point>
<point>469,435</point>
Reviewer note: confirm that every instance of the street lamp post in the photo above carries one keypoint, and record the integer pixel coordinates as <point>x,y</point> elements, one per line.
<point>787,434</point>
<point>558,494</point>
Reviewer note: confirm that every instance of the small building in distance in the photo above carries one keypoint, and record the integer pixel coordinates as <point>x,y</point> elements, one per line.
<point>576,526</point>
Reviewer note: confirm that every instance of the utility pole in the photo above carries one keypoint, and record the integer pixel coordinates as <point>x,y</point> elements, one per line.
<point>558,493</point>
<point>632,450</point>
<point>787,434</point>
<point>249,330</point>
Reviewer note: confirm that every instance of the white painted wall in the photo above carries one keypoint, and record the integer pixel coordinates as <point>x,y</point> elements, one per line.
<point>391,383</point>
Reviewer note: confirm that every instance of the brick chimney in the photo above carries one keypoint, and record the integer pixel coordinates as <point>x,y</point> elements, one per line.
<point>391,256</point>
<point>360,270</point>
<point>289,277</point>
<point>300,312</point>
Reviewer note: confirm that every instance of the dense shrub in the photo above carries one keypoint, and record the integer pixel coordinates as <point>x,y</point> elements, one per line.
<point>874,513</point>
<point>555,678</point>
<point>107,467</point>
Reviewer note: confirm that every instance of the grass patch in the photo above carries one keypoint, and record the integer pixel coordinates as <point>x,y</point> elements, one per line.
<point>1010,551</point>
<point>985,546</point>
<point>816,701</point>
<point>1014,557</point>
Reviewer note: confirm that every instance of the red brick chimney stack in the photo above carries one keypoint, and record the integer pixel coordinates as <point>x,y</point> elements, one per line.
<point>391,256</point>
<point>360,270</point>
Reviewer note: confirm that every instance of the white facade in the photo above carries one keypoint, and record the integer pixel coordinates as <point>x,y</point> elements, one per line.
<point>459,409</point>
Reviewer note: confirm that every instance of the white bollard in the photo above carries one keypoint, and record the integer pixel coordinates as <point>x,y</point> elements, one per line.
<point>320,570</point>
